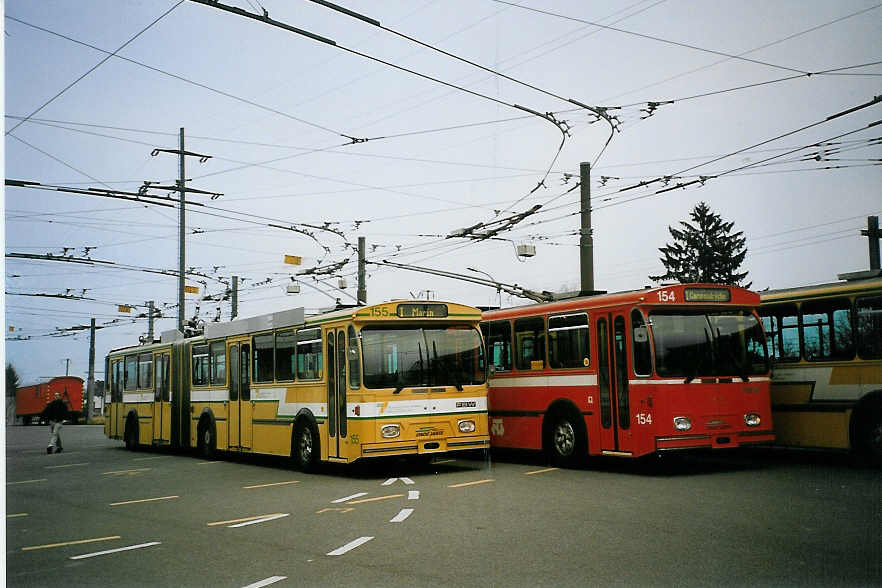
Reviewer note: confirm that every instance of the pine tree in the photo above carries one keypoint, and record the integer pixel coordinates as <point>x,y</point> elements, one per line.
<point>11,380</point>
<point>705,250</point>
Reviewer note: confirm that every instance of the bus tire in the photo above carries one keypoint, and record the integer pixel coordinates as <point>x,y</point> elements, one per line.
<point>131,434</point>
<point>305,446</point>
<point>565,441</point>
<point>869,430</point>
<point>206,439</point>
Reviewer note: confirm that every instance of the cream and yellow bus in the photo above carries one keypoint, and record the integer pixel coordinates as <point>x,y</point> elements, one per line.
<point>399,378</point>
<point>826,345</point>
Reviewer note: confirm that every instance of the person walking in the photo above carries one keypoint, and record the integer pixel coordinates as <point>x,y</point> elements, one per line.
<point>55,412</point>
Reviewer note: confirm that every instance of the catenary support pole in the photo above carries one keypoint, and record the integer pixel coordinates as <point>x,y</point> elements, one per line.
<point>90,382</point>
<point>362,286</point>
<point>586,240</point>
<point>181,241</point>
<point>235,298</point>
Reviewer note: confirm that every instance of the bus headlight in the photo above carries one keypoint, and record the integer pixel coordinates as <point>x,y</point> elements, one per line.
<point>752,419</point>
<point>466,426</point>
<point>390,431</point>
<point>682,423</point>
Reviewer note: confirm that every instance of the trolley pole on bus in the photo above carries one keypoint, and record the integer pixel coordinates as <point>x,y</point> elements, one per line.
<point>586,240</point>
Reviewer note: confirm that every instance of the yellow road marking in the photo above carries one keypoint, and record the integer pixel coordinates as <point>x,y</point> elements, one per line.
<point>470,483</point>
<point>26,482</point>
<point>363,500</point>
<point>243,520</point>
<point>273,484</point>
<point>18,514</point>
<point>136,470</point>
<point>67,465</point>
<point>143,500</point>
<point>541,471</point>
<point>81,541</point>
<point>330,509</point>
<point>148,458</point>
<point>206,462</point>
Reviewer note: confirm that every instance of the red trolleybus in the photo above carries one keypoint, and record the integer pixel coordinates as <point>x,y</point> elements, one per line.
<point>629,374</point>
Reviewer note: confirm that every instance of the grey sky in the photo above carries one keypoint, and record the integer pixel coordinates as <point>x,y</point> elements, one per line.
<point>248,93</point>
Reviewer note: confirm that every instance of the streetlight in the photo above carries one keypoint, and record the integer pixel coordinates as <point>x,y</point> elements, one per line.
<point>492,279</point>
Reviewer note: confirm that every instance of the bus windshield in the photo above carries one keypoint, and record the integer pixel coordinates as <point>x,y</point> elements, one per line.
<point>696,344</point>
<point>406,356</point>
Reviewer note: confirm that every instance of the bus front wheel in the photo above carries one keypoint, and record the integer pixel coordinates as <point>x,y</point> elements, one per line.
<point>305,447</point>
<point>565,441</point>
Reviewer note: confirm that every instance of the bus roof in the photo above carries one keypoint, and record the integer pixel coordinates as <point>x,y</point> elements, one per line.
<point>646,296</point>
<point>822,290</point>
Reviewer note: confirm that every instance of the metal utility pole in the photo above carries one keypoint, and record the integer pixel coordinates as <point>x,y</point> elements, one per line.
<point>181,240</point>
<point>235,298</point>
<point>67,367</point>
<point>90,382</point>
<point>181,186</point>
<point>873,235</point>
<point>149,321</point>
<point>362,287</point>
<point>586,240</point>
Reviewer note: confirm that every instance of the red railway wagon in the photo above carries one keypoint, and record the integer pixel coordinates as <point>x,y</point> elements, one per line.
<point>630,374</point>
<point>31,400</point>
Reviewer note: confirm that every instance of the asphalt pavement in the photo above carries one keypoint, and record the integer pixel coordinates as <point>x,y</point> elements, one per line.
<point>98,515</point>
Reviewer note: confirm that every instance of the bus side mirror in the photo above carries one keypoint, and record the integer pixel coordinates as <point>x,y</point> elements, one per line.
<point>641,334</point>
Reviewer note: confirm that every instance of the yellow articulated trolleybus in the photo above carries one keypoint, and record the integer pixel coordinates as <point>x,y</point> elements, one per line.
<point>826,345</point>
<point>399,378</point>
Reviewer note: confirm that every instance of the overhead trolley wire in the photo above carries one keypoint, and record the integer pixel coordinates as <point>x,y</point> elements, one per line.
<point>182,79</point>
<point>93,68</point>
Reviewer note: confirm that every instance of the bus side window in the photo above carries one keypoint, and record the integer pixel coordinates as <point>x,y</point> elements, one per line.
<point>530,343</point>
<point>497,337</point>
<point>200,365</point>
<point>218,363</point>
<point>145,371</point>
<point>568,341</point>
<point>131,372</point>
<point>264,355</point>
<point>781,325</point>
<point>309,354</point>
<point>285,347</point>
<point>869,327</point>
<point>641,348</point>
<point>826,330</point>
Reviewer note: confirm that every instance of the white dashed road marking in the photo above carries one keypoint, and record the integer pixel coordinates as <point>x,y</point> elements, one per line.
<point>403,514</point>
<point>129,548</point>
<point>344,499</point>
<point>413,494</point>
<point>350,546</point>
<point>266,582</point>
<point>262,520</point>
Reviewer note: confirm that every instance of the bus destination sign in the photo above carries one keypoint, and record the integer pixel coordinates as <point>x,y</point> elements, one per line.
<point>707,295</point>
<point>422,310</point>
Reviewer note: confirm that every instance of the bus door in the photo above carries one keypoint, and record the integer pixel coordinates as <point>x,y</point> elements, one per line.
<point>240,407</point>
<point>161,398</point>
<point>615,409</point>
<point>337,429</point>
<point>115,397</point>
